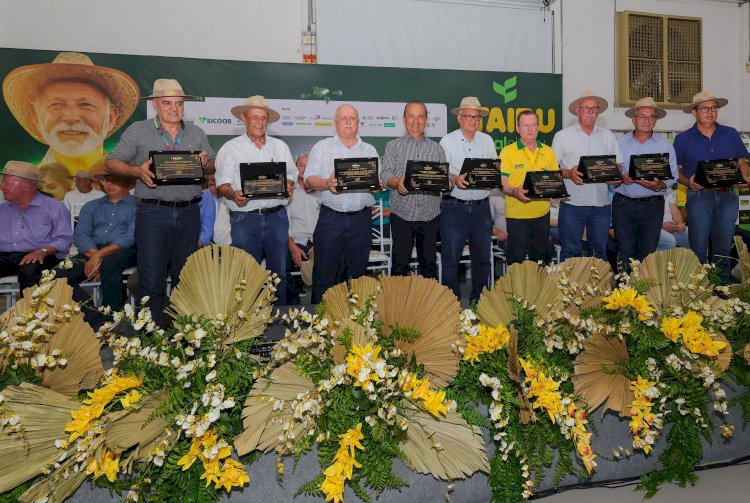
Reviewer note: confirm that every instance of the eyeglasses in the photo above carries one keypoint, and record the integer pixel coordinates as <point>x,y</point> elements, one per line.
<point>470,117</point>
<point>589,109</point>
<point>705,110</point>
<point>646,117</point>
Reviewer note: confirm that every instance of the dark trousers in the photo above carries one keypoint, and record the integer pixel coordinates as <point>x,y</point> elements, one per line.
<point>293,283</point>
<point>711,215</point>
<point>28,274</point>
<point>165,237</point>
<point>459,223</point>
<point>265,236</point>
<point>423,235</point>
<point>528,236</point>
<point>342,242</point>
<point>637,224</point>
<point>572,222</point>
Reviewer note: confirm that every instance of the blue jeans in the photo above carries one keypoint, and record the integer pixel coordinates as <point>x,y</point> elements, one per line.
<point>342,243</point>
<point>460,223</point>
<point>712,214</point>
<point>573,220</point>
<point>637,224</point>
<point>669,240</point>
<point>165,237</point>
<point>265,236</point>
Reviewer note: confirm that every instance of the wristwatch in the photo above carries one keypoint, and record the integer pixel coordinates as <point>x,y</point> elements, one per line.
<point>44,250</point>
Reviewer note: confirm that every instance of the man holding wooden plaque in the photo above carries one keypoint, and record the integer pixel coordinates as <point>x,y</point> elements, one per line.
<point>588,207</point>
<point>650,167</point>
<point>343,234</point>
<point>168,157</point>
<point>716,153</point>
<point>255,172</point>
<point>527,208</point>
<point>415,207</point>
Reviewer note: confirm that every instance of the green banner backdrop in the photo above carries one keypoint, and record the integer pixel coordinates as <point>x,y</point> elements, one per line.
<point>503,93</point>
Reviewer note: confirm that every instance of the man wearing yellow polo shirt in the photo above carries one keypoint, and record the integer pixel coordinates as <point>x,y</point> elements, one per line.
<point>527,220</point>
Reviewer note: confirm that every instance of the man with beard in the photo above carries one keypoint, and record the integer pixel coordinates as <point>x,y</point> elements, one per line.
<point>71,105</point>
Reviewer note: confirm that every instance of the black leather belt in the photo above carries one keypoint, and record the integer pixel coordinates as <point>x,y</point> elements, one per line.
<point>471,202</point>
<point>647,198</point>
<point>174,204</point>
<point>323,206</point>
<point>266,211</point>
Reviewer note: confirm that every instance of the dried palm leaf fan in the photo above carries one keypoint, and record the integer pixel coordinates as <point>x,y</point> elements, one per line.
<point>456,456</point>
<point>359,337</point>
<point>655,271</point>
<point>44,414</point>
<point>744,257</point>
<point>432,310</point>
<point>527,281</point>
<point>583,281</point>
<point>336,299</point>
<point>597,374</point>
<point>263,425</point>
<point>211,282</point>
<point>745,353</point>
<point>73,337</point>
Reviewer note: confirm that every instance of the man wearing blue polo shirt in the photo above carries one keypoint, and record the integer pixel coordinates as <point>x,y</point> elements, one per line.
<point>638,206</point>
<point>711,212</point>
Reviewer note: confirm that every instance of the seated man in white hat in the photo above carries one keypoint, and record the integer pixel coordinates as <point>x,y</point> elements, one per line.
<point>638,206</point>
<point>167,222</point>
<point>259,226</point>
<point>82,192</point>
<point>71,105</point>
<point>712,212</point>
<point>588,206</point>
<point>465,213</point>
<point>35,233</point>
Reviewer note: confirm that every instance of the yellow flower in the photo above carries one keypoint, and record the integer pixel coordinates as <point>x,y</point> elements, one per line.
<point>188,459</point>
<point>343,464</point>
<point>232,474</point>
<point>109,466</point>
<point>670,327</point>
<point>363,364</point>
<point>488,340</point>
<point>629,297</point>
<point>435,403</point>
<point>211,471</point>
<point>131,399</point>
<point>694,336</point>
<point>83,420</point>
<point>351,439</point>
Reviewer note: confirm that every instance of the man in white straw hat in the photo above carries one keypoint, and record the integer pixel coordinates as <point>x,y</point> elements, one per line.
<point>35,233</point>
<point>167,224</point>
<point>638,206</point>
<point>260,226</point>
<point>71,105</point>
<point>711,212</point>
<point>465,213</point>
<point>588,207</point>
<point>343,233</point>
<point>83,191</point>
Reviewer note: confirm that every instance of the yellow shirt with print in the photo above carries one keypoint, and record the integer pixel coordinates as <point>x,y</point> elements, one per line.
<point>515,161</point>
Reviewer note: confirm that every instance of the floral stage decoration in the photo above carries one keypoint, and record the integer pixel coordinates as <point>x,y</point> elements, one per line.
<point>358,380</point>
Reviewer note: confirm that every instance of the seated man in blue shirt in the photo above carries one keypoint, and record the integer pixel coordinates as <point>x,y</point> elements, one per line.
<point>105,238</point>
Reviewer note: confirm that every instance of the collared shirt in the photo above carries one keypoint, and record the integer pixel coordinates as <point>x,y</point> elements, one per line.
<point>692,146</point>
<point>457,148</point>
<point>44,223</point>
<point>242,149</point>
<point>102,223</point>
<point>516,160</point>
<point>629,146</point>
<point>141,137</point>
<point>207,206</point>
<point>569,145</point>
<point>411,207</point>
<point>75,199</point>
<point>303,213</point>
<point>320,164</point>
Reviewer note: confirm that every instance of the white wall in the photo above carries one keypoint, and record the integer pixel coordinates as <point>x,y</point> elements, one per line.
<point>588,54</point>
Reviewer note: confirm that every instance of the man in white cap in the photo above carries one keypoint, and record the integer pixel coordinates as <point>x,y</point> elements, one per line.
<point>465,213</point>
<point>167,224</point>
<point>71,105</point>
<point>588,207</point>
<point>260,227</point>
<point>35,233</point>
<point>711,212</point>
<point>343,235</point>
<point>638,206</point>
<point>83,192</point>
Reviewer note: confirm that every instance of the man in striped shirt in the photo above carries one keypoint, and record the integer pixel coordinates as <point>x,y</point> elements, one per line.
<point>415,217</point>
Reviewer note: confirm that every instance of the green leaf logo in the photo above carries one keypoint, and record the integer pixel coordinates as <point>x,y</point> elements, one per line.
<point>507,89</point>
